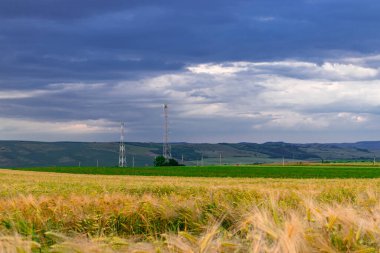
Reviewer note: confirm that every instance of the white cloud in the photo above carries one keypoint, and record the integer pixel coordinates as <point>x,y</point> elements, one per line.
<point>282,95</point>
<point>15,129</point>
<point>352,117</point>
<point>349,71</point>
<point>49,90</point>
<point>16,94</point>
<point>218,69</point>
<point>265,97</point>
<point>308,70</point>
<point>363,60</point>
<point>294,121</point>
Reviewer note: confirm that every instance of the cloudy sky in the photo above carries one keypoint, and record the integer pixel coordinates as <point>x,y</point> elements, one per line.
<point>230,70</point>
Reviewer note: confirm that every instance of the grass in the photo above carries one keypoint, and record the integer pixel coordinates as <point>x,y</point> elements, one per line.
<point>359,170</point>
<point>53,212</point>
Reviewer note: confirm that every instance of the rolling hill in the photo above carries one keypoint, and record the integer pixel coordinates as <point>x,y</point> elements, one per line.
<point>105,154</point>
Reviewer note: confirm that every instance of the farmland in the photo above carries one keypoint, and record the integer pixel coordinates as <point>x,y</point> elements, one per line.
<point>352,170</point>
<point>57,212</point>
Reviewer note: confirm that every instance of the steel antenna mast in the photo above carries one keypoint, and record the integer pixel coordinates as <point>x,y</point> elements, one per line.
<point>166,152</point>
<point>122,154</point>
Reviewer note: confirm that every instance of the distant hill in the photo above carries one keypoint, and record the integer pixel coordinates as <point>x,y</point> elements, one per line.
<point>33,154</point>
<point>369,145</point>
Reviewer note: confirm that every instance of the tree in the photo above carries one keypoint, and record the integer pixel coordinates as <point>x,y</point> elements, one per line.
<point>159,161</point>
<point>172,162</point>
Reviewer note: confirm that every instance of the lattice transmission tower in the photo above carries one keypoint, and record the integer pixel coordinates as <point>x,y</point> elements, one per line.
<point>166,150</point>
<point>122,154</point>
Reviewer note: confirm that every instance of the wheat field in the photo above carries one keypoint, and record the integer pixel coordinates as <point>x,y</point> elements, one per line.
<point>51,212</point>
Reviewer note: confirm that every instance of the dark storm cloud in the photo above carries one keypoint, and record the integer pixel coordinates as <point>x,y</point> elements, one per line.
<point>63,41</point>
<point>91,60</point>
<point>62,9</point>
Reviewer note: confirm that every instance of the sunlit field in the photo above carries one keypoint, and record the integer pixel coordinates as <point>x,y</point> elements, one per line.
<point>60,212</point>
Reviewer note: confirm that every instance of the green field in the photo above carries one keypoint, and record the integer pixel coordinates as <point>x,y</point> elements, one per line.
<point>253,171</point>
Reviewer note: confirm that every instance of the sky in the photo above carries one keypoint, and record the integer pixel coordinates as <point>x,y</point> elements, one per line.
<point>297,71</point>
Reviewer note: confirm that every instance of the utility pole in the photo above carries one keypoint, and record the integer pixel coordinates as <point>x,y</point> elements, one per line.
<point>182,159</point>
<point>133,161</point>
<point>220,158</point>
